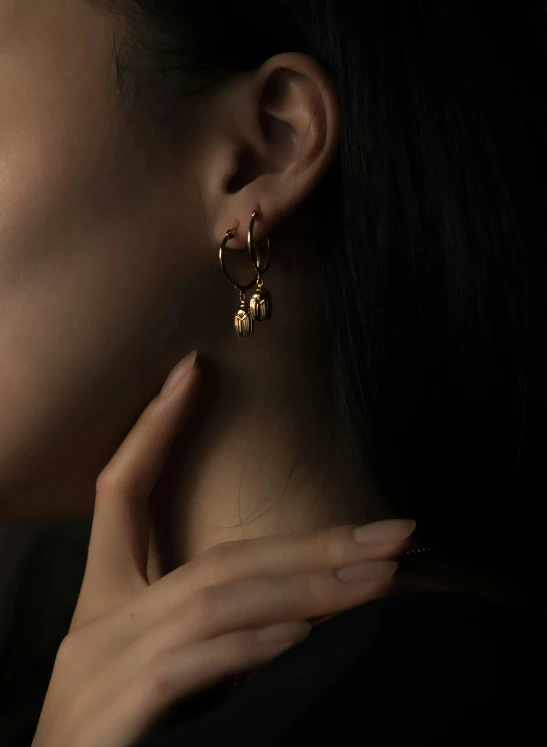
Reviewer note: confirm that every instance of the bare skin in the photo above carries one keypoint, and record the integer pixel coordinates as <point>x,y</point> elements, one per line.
<point>136,648</point>
<point>109,274</point>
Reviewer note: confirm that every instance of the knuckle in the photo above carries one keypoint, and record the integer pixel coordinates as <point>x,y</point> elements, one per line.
<point>312,589</point>
<point>104,482</point>
<point>326,547</point>
<point>108,482</point>
<point>73,645</point>
<point>68,649</point>
<point>149,418</point>
<point>204,604</point>
<point>158,678</point>
<point>217,559</point>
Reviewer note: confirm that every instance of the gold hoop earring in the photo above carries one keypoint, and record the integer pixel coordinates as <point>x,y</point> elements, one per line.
<point>260,305</point>
<point>243,321</point>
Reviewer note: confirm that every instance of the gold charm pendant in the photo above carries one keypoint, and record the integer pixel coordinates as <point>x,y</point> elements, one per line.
<point>243,320</point>
<point>260,306</point>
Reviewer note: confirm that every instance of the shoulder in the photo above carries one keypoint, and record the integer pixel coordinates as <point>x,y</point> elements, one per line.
<point>441,666</point>
<point>425,669</point>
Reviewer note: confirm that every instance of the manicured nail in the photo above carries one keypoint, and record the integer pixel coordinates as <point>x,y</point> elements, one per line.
<point>284,632</point>
<point>376,570</point>
<point>178,373</point>
<point>392,530</point>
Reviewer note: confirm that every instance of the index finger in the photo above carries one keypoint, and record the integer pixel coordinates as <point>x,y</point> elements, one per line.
<point>118,548</point>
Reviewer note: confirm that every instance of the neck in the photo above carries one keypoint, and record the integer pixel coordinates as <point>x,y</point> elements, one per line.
<point>253,463</point>
<point>260,456</point>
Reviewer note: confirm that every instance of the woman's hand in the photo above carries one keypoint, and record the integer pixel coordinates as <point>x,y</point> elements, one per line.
<point>133,649</point>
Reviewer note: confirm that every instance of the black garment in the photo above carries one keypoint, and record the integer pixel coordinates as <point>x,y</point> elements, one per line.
<point>427,669</point>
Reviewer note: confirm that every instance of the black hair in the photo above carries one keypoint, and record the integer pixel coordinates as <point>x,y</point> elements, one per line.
<point>431,256</point>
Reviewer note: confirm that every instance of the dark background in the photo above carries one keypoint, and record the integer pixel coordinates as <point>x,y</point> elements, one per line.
<point>41,572</point>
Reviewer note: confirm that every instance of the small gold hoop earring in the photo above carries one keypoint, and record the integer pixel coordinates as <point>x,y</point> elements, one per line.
<point>260,305</point>
<point>243,321</point>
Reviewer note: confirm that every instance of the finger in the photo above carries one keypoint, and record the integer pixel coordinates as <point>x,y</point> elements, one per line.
<point>187,669</point>
<point>256,602</point>
<point>118,548</point>
<point>291,553</point>
<point>252,603</point>
<point>179,672</point>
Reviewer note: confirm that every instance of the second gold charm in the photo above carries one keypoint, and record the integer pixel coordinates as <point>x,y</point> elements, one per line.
<point>260,305</point>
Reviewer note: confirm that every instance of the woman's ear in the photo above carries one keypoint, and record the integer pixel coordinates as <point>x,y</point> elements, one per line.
<point>280,131</point>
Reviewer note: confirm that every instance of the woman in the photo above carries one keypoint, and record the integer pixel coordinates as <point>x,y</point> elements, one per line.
<point>371,179</point>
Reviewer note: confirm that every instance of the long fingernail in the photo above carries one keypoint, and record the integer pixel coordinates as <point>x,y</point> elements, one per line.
<point>178,373</point>
<point>371,571</point>
<point>391,530</point>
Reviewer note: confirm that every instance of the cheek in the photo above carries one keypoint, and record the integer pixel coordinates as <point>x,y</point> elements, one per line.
<point>77,302</point>
<point>78,313</point>
<point>54,135</point>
